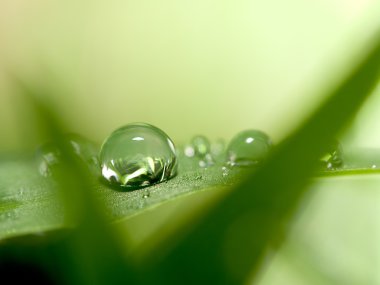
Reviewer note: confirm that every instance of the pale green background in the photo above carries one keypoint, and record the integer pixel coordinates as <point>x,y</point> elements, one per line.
<point>207,66</point>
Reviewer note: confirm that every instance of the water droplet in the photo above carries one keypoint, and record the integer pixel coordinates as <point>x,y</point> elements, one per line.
<point>374,166</point>
<point>333,157</point>
<point>206,161</point>
<point>49,155</point>
<point>201,146</point>
<point>248,148</point>
<point>22,191</point>
<point>138,155</point>
<point>201,150</point>
<point>85,150</point>
<point>225,171</point>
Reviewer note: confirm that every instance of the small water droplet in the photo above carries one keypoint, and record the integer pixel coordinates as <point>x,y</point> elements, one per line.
<point>138,155</point>
<point>248,148</point>
<point>206,161</point>
<point>201,145</point>
<point>146,195</point>
<point>333,157</point>
<point>49,155</point>
<point>374,166</point>
<point>85,149</point>
<point>201,150</point>
<point>225,171</point>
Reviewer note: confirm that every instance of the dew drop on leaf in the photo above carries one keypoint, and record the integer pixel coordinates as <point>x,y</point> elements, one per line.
<point>225,171</point>
<point>201,150</point>
<point>333,157</point>
<point>201,146</point>
<point>84,149</point>
<point>248,148</point>
<point>146,195</point>
<point>48,155</point>
<point>138,155</point>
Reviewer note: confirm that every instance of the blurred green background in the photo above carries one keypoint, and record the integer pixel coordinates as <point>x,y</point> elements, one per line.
<point>215,68</point>
<point>188,67</point>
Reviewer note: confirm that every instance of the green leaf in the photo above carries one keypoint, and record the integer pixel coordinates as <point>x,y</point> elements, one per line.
<point>30,203</point>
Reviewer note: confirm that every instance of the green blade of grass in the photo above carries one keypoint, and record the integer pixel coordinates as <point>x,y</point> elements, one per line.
<point>90,254</point>
<point>231,240</point>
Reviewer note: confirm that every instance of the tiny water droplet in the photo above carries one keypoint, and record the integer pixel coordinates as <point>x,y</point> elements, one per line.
<point>146,195</point>
<point>206,161</point>
<point>225,171</point>
<point>47,156</point>
<point>22,190</point>
<point>138,155</point>
<point>374,166</point>
<point>248,148</point>
<point>333,156</point>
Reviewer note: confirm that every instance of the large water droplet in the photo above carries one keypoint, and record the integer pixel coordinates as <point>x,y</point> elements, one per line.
<point>138,155</point>
<point>248,148</point>
<point>333,157</point>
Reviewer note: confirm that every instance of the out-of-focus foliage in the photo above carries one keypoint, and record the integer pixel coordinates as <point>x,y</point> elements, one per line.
<point>183,66</point>
<point>194,67</point>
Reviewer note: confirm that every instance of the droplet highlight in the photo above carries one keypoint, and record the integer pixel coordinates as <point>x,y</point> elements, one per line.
<point>138,155</point>
<point>248,148</point>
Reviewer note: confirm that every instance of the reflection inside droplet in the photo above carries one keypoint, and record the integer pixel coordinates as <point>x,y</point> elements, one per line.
<point>138,155</point>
